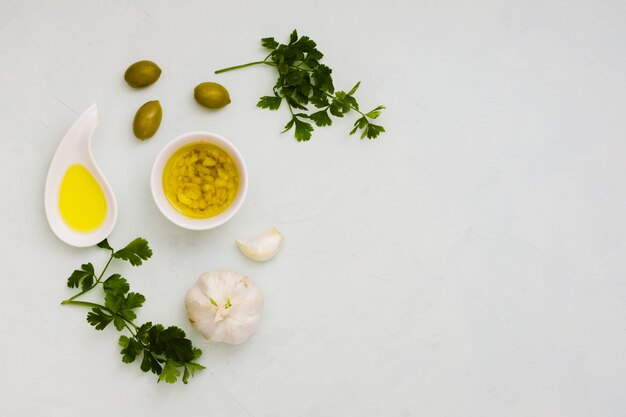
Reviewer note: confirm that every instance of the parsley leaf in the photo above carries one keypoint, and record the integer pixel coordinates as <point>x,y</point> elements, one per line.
<point>370,130</point>
<point>321,118</point>
<point>353,90</point>
<point>105,245</point>
<point>190,369</point>
<point>98,318</point>
<point>323,79</point>
<point>269,43</point>
<point>373,114</point>
<point>150,363</point>
<point>170,372</point>
<point>175,345</point>
<point>134,300</point>
<point>293,37</point>
<point>270,102</point>
<point>303,130</point>
<point>302,80</point>
<point>171,342</point>
<point>135,252</point>
<point>119,323</point>
<point>131,348</point>
<point>115,284</point>
<point>82,277</point>
<point>123,305</point>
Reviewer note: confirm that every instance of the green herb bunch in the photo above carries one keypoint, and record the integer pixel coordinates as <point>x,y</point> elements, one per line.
<point>303,81</point>
<point>166,351</point>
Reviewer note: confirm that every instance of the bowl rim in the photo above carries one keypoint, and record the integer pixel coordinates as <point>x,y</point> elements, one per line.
<point>156,181</point>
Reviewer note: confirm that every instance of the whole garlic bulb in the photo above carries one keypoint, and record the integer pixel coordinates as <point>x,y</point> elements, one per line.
<point>224,306</point>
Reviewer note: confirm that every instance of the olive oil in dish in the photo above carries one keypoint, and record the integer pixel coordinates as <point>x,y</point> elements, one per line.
<point>82,202</point>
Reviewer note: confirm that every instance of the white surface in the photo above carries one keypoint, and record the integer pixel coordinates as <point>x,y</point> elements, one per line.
<point>470,262</point>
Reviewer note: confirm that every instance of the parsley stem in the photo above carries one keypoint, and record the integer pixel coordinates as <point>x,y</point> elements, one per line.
<point>95,305</point>
<point>84,304</point>
<point>290,108</point>
<point>103,271</point>
<point>130,322</point>
<point>244,66</point>
<point>79,294</point>
<point>94,284</point>
<point>132,332</point>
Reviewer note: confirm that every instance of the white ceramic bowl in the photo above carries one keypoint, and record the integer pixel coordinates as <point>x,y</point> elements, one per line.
<point>174,215</point>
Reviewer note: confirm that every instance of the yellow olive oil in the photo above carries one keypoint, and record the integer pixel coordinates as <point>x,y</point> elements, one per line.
<point>200,180</point>
<point>82,202</point>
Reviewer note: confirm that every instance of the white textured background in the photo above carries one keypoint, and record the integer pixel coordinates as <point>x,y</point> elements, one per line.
<point>470,262</point>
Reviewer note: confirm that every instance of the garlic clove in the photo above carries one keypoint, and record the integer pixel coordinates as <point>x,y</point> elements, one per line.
<point>262,247</point>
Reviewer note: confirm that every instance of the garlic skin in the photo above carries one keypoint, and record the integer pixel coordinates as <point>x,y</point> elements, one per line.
<point>224,306</point>
<point>262,247</point>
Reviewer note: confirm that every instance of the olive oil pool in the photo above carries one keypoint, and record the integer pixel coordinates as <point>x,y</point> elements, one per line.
<point>82,202</point>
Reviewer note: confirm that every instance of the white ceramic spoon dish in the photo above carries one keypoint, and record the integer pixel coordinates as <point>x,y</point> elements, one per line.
<point>75,148</point>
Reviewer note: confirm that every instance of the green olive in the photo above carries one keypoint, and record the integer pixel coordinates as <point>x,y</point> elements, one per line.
<point>142,74</point>
<point>147,120</point>
<point>211,95</point>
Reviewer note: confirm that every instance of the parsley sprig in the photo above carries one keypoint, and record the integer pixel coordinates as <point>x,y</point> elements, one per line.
<point>303,81</point>
<point>165,351</point>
